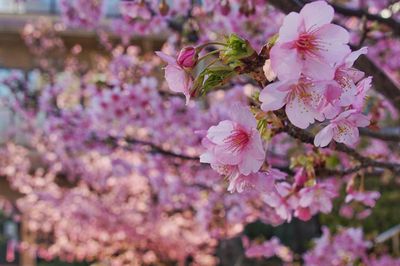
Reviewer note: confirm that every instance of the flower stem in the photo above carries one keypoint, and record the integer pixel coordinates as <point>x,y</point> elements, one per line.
<point>207,55</point>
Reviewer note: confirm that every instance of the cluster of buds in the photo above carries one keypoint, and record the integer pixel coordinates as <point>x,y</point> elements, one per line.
<point>231,57</point>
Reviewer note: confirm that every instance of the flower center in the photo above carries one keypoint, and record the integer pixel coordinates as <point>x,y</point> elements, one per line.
<point>238,140</point>
<point>306,43</point>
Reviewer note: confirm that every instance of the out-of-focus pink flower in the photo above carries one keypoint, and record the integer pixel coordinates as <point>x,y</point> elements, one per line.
<point>236,142</point>
<point>345,248</point>
<point>134,9</point>
<point>309,44</point>
<point>178,79</point>
<point>261,181</point>
<point>343,129</point>
<point>304,99</point>
<point>346,211</point>
<point>317,198</point>
<point>187,57</point>
<point>368,198</point>
<point>282,200</point>
<point>267,249</point>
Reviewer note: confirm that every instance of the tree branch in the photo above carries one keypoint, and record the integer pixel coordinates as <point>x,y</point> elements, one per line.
<point>153,148</point>
<point>365,162</point>
<point>386,134</point>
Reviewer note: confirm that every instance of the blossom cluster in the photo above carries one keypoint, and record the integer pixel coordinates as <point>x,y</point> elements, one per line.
<point>313,63</point>
<point>317,80</point>
<point>107,166</point>
<point>347,247</point>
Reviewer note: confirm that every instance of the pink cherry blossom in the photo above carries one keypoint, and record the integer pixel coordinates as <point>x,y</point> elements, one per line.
<point>368,198</point>
<point>282,200</point>
<point>308,43</point>
<point>261,181</point>
<point>317,198</point>
<point>362,88</point>
<point>267,249</point>
<point>304,98</point>
<point>347,77</point>
<point>237,142</point>
<point>343,129</point>
<point>178,79</point>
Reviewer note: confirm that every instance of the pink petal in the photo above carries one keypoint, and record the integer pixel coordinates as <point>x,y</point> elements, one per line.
<point>317,69</point>
<point>353,56</point>
<point>217,134</point>
<point>167,58</point>
<point>348,135</point>
<point>226,156</point>
<point>303,214</point>
<point>207,157</point>
<point>306,197</point>
<point>178,80</point>
<point>316,14</point>
<point>290,28</point>
<point>361,120</point>
<point>272,98</point>
<point>253,158</point>
<point>243,116</point>
<point>332,35</point>
<point>348,93</point>
<point>285,62</point>
<point>324,137</point>
<point>249,165</point>
<point>299,113</point>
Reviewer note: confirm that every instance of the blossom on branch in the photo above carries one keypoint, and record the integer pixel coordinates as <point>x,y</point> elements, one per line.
<point>236,142</point>
<point>178,79</point>
<point>309,44</point>
<point>343,129</point>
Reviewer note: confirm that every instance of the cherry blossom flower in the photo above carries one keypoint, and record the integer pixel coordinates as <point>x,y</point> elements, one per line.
<point>261,181</point>
<point>178,79</point>
<point>362,88</point>
<point>368,198</point>
<point>267,249</point>
<point>308,43</point>
<point>345,248</point>
<point>343,129</point>
<point>236,142</point>
<point>282,200</point>
<point>347,77</point>
<point>317,198</point>
<point>304,98</point>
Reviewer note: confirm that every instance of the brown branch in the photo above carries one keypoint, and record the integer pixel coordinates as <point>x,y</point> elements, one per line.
<point>153,148</point>
<point>387,134</point>
<point>157,149</point>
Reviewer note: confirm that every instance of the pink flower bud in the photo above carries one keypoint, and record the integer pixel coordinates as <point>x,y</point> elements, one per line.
<point>187,57</point>
<point>300,177</point>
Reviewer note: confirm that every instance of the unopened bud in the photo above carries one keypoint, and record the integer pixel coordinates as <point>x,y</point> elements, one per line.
<point>187,57</point>
<point>300,177</point>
